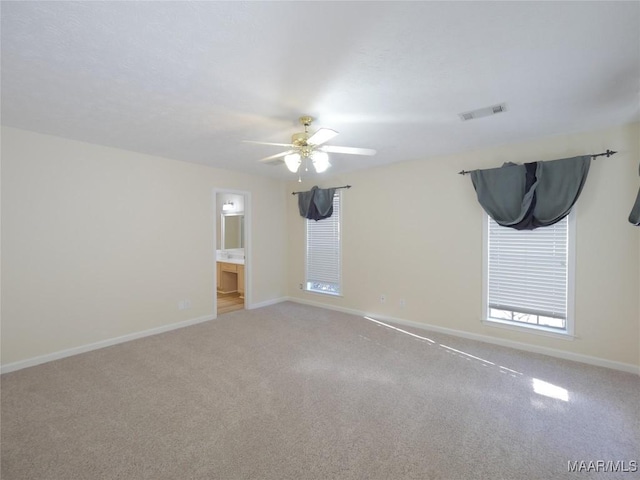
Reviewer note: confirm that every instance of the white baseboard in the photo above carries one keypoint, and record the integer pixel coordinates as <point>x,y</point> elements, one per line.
<point>31,362</point>
<point>552,352</point>
<point>576,357</point>
<point>267,303</point>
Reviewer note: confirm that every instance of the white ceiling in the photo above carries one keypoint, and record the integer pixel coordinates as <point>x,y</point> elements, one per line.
<point>191,80</point>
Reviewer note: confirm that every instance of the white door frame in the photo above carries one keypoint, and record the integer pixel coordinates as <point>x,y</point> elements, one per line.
<point>248,251</point>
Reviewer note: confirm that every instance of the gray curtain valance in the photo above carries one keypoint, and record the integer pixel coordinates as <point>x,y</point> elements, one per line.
<point>634,216</point>
<point>532,195</point>
<point>317,203</point>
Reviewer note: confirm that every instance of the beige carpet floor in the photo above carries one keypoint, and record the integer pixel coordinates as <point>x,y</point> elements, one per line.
<point>296,392</point>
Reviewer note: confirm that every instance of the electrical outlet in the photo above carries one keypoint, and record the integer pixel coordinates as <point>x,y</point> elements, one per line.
<point>403,303</point>
<point>181,305</point>
<point>383,298</point>
<point>187,304</point>
<point>300,286</point>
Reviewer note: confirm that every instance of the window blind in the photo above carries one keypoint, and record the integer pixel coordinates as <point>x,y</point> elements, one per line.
<point>323,252</point>
<point>527,269</point>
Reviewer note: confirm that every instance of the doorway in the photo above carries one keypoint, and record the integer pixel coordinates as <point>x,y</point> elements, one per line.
<point>232,267</point>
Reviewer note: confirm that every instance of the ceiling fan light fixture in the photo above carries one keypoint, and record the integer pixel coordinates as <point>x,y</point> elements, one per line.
<point>320,161</point>
<point>293,162</point>
<point>310,149</point>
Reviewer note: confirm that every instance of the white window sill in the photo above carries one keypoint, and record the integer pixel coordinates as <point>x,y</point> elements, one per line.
<point>536,330</point>
<point>324,294</point>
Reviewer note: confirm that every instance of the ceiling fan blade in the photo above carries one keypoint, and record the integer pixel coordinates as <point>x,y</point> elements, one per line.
<point>276,159</point>
<point>349,150</point>
<point>321,136</point>
<point>269,143</point>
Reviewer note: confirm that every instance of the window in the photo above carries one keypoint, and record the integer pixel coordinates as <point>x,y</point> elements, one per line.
<point>529,276</point>
<point>323,265</point>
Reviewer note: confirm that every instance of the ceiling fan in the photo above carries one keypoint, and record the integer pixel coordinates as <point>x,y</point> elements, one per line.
<point>309,146</point>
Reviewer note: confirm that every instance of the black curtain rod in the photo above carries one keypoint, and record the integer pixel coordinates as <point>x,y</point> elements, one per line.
<point>608,153</point>
<point>344,186</point>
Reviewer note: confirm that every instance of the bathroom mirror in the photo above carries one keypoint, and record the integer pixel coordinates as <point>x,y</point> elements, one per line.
<point>232,231</point>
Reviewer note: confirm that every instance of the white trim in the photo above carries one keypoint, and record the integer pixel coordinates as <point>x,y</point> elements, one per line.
<point>248,250</point>
<point>322,294</point>
<point>576,357</point>
<point>31,362</point>
<point>571,273</point>
<point>534,329</point>
<point>568,333</point>
<point>328,307</point>
<point>485,266</point>
<point>306,289</point>
<point>552,352</point>
<point>266,303</point>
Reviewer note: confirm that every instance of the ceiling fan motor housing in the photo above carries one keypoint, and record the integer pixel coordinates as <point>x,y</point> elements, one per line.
<point>300,139</point>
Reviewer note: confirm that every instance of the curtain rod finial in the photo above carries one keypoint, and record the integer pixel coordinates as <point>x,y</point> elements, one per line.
<point>607,154</point>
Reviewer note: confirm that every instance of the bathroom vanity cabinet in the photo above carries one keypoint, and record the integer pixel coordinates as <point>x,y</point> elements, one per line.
<point>230,277</point>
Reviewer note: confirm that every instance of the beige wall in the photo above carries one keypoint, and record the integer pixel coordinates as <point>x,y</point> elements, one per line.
<point>99,243</point>
<point>413,231</point>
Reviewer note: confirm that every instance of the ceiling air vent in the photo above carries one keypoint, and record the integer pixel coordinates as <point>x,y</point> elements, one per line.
<point>484,112</point>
